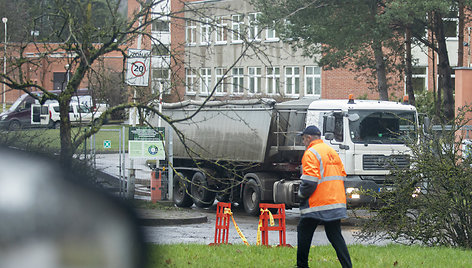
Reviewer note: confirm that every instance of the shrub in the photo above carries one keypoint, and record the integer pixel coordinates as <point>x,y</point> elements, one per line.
<point>430,203</point>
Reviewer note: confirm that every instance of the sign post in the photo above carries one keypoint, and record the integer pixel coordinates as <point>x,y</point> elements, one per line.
<point>137,74</point>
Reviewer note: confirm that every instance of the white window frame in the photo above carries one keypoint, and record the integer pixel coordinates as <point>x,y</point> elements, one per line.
<point>311,79</point>
<point>271,35</point>
<point>254,80</point>
<point>222,87</point>
<point>237,25</point>
<point>456,20</point>
<point>237,78</point>
<point>292,80</point>
<point>190,81</point>
<point>160,21</point>
<point>272,80</point>
<point>421,76</point>
<point>205,31</point>
<point>221,33</point>
<point>205,81</point>
<point>190,33</point>
<point>253,25</point>
<point>158,79</point>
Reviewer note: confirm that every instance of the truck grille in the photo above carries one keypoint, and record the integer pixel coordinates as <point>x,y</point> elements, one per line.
<point>383,162</point>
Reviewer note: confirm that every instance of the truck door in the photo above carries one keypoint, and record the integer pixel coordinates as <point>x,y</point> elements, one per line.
<point>39,114</point>
<point>73,113</point>
<point>339,139</point>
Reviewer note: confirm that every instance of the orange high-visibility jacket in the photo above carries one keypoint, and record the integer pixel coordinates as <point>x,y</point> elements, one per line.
<point>322,192</point>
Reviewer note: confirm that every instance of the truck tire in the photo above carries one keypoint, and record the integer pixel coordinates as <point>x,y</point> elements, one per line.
<point>57,125</point>
<point>251,197</point>
<point>181,197</point>
<point>202,195</point>
<point>14,125</point>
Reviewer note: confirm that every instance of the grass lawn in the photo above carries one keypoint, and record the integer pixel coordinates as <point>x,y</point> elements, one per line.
<point>48,139</point>
<point>192,255</point>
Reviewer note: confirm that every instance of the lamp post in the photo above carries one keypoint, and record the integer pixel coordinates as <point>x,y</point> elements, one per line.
<point>4,20</point>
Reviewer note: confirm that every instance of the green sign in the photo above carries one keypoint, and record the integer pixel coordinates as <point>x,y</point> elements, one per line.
<point>146,134</point>
<point>107,144</point>
<point>146,142</point>
<point>147,149</point>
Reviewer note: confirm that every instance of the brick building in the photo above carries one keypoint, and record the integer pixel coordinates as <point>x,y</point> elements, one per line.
<point>196,42</point>
<point>209,46</point>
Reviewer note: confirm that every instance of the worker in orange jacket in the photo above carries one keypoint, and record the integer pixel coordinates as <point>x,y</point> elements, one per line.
<point>322,197</point>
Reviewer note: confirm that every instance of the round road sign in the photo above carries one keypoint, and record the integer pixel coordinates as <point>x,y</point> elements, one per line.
<point>138,68</point>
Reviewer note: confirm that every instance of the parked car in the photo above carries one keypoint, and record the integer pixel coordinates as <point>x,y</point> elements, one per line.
<point>78,114</point>
<point>19,114</point>
<point>26,112</point>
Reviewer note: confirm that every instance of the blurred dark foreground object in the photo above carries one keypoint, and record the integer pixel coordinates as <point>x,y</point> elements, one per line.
<point>49,218</point>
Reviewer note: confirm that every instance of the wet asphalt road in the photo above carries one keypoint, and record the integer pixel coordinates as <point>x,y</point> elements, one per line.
<point>204,233</point>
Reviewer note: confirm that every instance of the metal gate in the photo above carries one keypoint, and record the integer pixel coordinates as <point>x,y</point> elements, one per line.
<point>121,173</point>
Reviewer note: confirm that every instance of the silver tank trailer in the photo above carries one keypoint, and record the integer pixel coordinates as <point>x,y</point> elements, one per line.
<point>258,137</point>
<point>256,130</point>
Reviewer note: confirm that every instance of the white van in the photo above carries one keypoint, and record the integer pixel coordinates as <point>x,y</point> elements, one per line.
<point>78,114</point>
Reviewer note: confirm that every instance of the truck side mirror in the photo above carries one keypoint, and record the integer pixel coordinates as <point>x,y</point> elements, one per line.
<point>330,123</point>
<point>329,136</point>
<point>426,123</point>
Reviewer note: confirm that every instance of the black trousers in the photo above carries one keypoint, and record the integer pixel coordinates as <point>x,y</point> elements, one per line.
<point>306,228</point>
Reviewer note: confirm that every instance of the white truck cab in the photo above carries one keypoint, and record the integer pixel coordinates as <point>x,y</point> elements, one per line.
<point>370,136</point>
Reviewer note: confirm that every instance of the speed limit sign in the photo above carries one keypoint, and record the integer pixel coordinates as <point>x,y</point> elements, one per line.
<point>138,68</point>
<point>138,65</point>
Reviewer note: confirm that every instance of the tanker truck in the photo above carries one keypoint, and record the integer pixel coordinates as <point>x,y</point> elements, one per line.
<point>249,151</point>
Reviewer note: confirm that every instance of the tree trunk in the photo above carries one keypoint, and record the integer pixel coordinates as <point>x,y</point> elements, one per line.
<point>65,133</point>
<point>381,70</point>
<point>409,68</point>
<point>444,71</point>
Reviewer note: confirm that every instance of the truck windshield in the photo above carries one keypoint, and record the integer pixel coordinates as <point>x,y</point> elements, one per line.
<point>17,103</point>
<point>384,127</point>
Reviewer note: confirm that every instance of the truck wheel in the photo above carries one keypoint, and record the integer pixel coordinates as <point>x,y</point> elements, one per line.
<point>14,125</point>
<point>202,196</point>
<point>57,125</point>
<point>251,198</point>
<point>180,195</point>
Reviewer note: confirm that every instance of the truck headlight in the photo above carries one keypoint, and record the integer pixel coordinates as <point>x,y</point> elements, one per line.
<point>3,117</point>
<point>416,192</point>
<point>352,193</point>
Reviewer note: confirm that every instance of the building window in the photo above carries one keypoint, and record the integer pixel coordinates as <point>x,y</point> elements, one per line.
<point>205,31</point>
<point>221,30</point>
<point>451,23</point>
<point>237,27</point>
<point>450,27</point>
<point>254,27</point>
<point>219,75</point>
<point>190,80</point>
<point>238,80</point>
<point>271,34</point>
<point>312,81</point>
<point>254,74</point>
<point>419,79</point>
<point>60,80</point>
<point>273,80</point>
<point>292,80</point>
<point>205,80</point>
<point>160,80</point>
<point>160,26</point>
<point>160,50</point>
<point>191,32</point>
